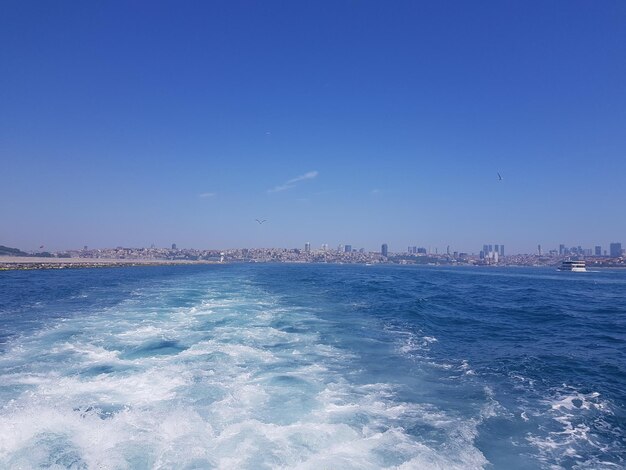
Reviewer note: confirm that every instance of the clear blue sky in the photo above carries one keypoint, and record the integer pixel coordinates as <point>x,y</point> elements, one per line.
<point>355,122</point>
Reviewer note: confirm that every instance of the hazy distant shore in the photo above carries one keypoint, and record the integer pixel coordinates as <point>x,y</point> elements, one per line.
<point>18,262</point>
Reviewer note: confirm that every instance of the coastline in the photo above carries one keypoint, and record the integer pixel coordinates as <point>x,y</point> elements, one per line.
<point>8,263</point>
<point>13,263</point>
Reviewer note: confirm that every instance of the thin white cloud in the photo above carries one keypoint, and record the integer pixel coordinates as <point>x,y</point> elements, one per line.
<point>206,195</point>
<point>293,181</point>
<point>376,192</point>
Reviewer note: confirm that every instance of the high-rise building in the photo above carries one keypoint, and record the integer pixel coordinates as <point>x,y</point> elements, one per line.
<point>307,247</point>
<point>348,249</point>
<point>173,246</point>
<point>448,250</point>
<point>486,250</point>
<point>615,249</point>
<point>598,251</point>
<point>496,248</point>
<point>502,251</point>
<point>561,250</point>
<point>539,249</point>
<point>384,250</point>
<point>324,246</point>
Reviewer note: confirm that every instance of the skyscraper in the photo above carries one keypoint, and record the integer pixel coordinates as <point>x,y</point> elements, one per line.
<point>615,249</point>
<point>348,249</point>
<point>307,247</point>
<point>598,250</point>
<point>384,250</point>
<point>173,246</point>
<point>561,250</point>
<point>502,251</point>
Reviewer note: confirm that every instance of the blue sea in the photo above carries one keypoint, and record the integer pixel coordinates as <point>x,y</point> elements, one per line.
<point>312,367</point>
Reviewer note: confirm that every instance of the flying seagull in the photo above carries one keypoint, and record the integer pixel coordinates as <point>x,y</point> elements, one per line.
<point>260,221</point>
<point>499,177</point>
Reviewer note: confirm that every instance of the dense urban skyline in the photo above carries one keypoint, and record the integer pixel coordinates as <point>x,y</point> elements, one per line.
<point>338,122</point>
<point>489,252</point>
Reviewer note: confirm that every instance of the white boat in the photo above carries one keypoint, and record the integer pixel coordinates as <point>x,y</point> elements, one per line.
<point>573,266</point>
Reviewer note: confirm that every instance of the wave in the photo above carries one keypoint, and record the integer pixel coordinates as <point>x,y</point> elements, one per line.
<point>213,385</point>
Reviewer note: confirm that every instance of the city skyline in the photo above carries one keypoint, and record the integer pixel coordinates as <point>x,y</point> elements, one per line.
<point>335,122</point>
<point>488,251</point>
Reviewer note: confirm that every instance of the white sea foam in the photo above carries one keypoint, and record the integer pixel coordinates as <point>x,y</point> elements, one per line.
<point>569,433</point>
<point>411,344</point>
<point>212,385</point>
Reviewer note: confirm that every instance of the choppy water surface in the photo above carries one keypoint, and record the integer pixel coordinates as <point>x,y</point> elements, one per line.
<point>278,366</point>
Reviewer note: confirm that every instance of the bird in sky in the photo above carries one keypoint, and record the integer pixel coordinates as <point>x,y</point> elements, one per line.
<point>260,221</point>
<point>499,177</point>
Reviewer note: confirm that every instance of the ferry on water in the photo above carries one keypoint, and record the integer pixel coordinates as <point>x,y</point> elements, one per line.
<point>573,266</point>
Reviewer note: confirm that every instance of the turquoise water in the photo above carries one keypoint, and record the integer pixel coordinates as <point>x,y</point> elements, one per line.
<point>312,366</point>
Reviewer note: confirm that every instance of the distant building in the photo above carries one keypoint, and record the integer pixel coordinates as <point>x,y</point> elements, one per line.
<point>307,247</point>
<point>173,246</point>
<point>598,251</point>
<point>384,250</point>
<point>421,250</point>
<point>561,250</point>
<point>615,250</point>
<point>492,252</point>
<point>324,246</point>
<point>348,249</point>
<point>539,249</point>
